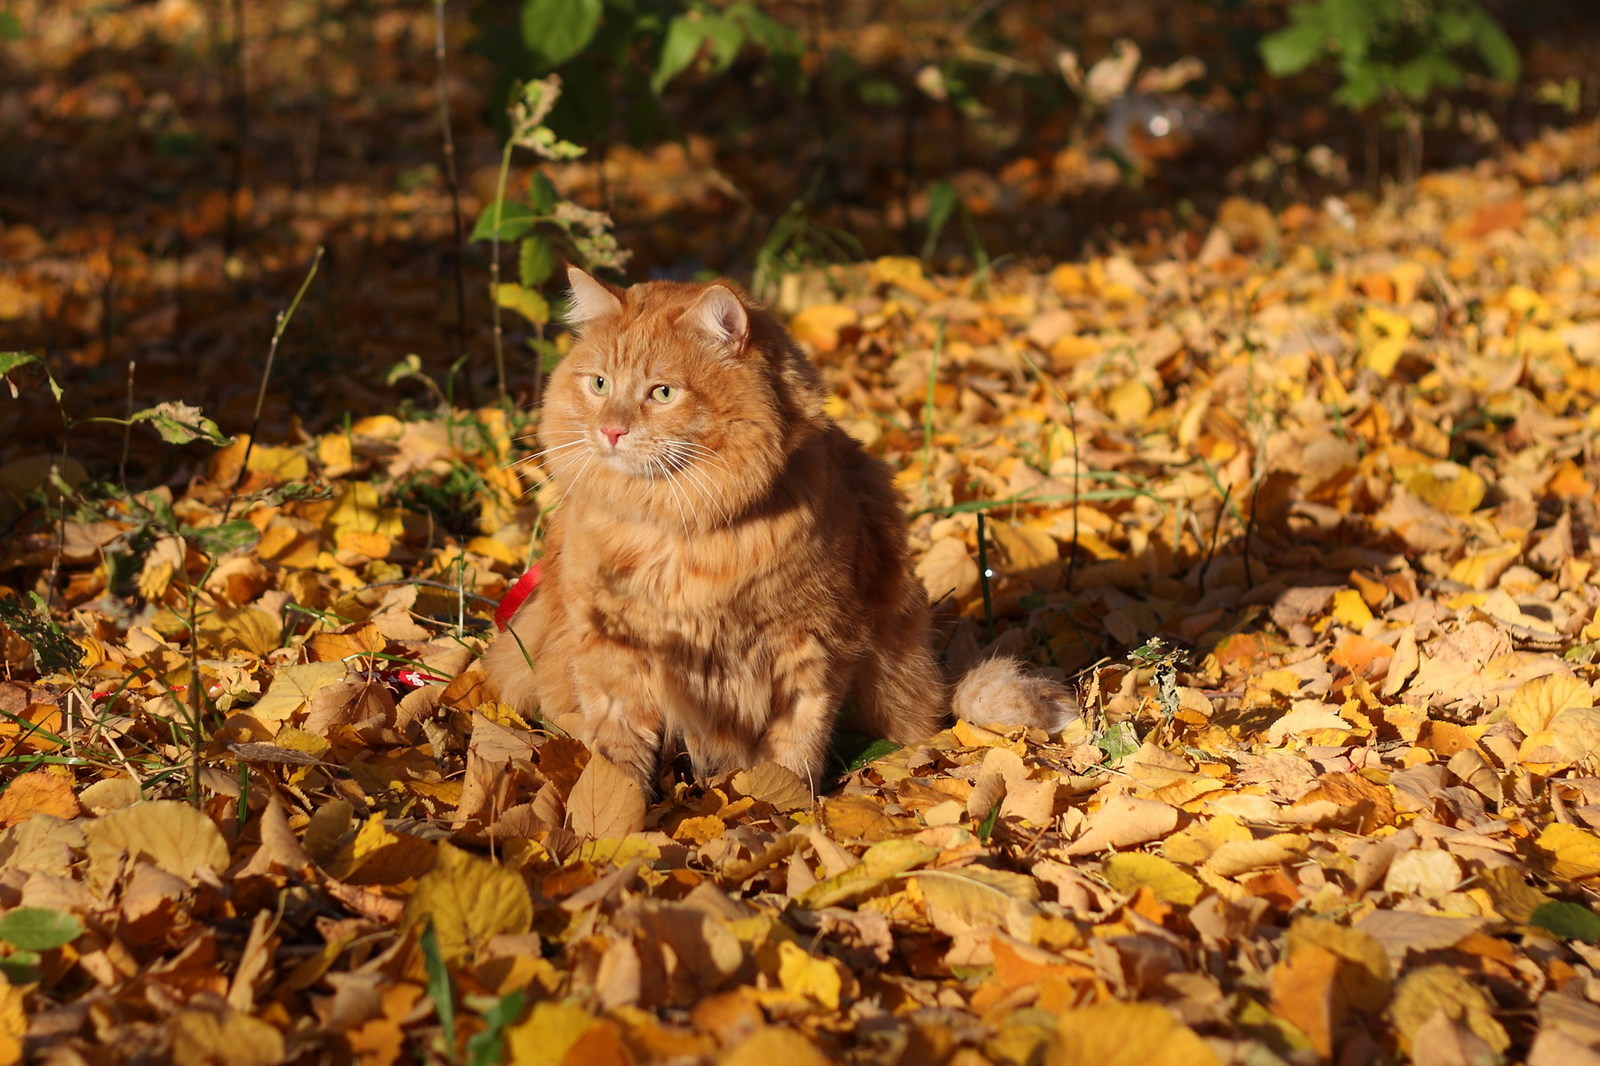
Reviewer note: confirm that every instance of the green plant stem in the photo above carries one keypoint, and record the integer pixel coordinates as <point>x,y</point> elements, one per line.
<point>266,376</point>
<point>494,273</point>
<point>927,411</point>
<point>983,578</point>
<point>453,184</point>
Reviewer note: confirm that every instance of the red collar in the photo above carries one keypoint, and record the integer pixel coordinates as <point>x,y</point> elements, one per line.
<point>516,594</point>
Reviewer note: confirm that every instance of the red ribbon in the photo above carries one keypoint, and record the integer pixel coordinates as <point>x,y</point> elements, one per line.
<point>516,594</point>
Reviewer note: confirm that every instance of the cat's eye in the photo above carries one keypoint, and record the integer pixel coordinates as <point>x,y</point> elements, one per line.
<point>599,385</point>
<point>663,394</point>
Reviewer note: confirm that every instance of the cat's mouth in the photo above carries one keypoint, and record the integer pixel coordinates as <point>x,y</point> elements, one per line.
<point>624,460</point>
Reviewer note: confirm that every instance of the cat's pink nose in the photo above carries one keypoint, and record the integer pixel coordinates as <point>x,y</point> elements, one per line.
<point>613,433</point>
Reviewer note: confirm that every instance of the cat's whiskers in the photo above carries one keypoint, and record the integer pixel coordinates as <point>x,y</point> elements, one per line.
<point>588,458</point>
<point>697,450</point>
<point>543,454</point>
<point>686,456</point>
<point>706,488</point>
<point>659,463</point>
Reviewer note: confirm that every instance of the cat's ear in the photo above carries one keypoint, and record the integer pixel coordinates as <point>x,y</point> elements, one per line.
<point>591,298</point>
<point>722,318</point>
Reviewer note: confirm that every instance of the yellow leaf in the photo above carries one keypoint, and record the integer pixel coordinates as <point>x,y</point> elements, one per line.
<point>1027,548</point>
<point>528,303</point>
<point>174,836</point>
<point>1382,354</point>
<point>820,326</point>
<point>13,1023</point>
<point>1243,856</point>
<point>1128,872</point>
<point>1126,1034</point>
<point>1382,335</point>
<point>1068,279</point>
<point>1408,278</point>
<point>605,801</point>
<point>1350,610</point>
<point>961,900</point>
<point>470,900</point>
<point>287,464</point>
<point>775,1047</point>
<point>548,1033</point>
<point>817,978</point>
<point>1572,852</point>
<point>336,454</point>
<point>1509,892</point>
<point>292,688</point>
<point>1451,488</point>
<point>248,629</point>
<point>357,507</point>
<point>1195,843</point>
<point>1130,402</point>
<point>1482,569</point>
<point>1441,989</point>
<point>362,542</point>
<point>378,856</point>
<point>1522,299</point>
<point>905,272</point>
<point>699,830</point>
<point>223,1038</point>
<point>879,864</point>
<point>1535,703</point>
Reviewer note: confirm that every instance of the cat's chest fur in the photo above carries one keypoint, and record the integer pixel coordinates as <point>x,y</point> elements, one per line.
<point>722,588</point>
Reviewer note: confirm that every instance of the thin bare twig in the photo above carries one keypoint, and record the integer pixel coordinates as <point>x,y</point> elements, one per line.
<point>452,182</point>
<point>266,375</point>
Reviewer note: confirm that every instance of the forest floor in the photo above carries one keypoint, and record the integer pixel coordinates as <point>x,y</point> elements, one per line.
<point>1302,498</point>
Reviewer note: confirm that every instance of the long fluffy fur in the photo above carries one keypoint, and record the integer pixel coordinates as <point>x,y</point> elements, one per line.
<point>727,566</point>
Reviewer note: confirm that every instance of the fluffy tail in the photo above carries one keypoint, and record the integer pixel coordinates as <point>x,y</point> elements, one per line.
<point>999,693</point>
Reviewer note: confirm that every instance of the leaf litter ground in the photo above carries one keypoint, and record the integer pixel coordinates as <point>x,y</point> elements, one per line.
<point>1304,508</point>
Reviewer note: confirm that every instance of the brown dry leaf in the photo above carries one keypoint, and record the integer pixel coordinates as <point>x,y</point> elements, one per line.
<point>774,784</point>
<point>1124,822</point>
<point>1433,990</point>
<point>223,1038</point>
<point>346,642</point>
<point>174,836</point>
<point>378,856</point>
<point>1304,994</point>
<point>948,569</point>
<point>37,792</point>
<point>605,801</point>
<point>469,901</point>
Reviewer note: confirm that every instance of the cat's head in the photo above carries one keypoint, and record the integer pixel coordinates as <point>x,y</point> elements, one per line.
<point>684,398</point>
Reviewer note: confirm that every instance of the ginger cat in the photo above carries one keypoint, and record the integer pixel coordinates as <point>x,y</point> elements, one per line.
<point>726,566</point>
